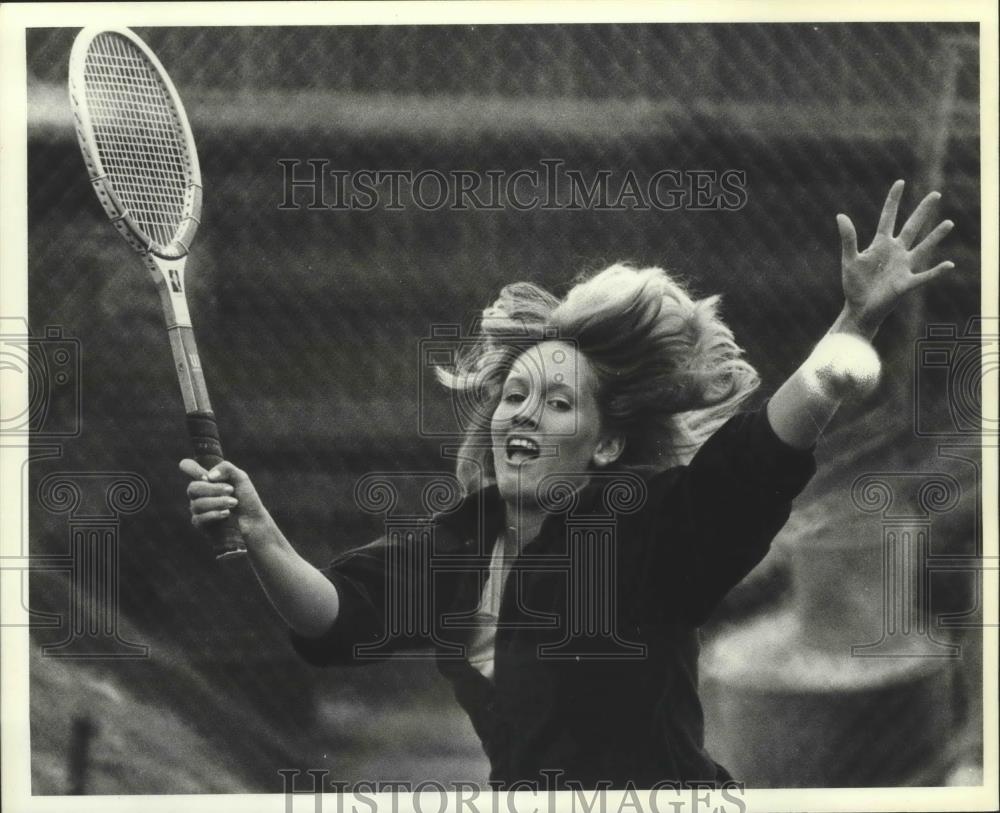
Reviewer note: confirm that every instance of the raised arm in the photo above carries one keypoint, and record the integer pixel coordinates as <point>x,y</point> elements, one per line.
<point>302,595</point>
<point>874,281</point>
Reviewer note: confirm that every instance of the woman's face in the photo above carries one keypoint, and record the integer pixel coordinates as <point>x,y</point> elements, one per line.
<point>547,421</point>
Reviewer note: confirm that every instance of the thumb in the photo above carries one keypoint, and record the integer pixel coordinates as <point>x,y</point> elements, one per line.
<point>192,469</point>
<point>225,472</point>
<point>848,239</point>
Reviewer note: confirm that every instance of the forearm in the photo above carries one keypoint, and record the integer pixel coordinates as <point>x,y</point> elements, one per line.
<point>800,410</point>
<point>301,594</point>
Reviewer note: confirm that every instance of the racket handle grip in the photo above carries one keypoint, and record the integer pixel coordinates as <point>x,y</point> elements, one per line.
<point>227,541</point>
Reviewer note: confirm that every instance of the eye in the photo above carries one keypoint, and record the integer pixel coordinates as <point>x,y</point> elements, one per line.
<point>513,397</point>
<point>560,404</point>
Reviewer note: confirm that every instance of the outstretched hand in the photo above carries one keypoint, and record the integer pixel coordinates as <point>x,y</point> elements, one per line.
<point>876,279</point>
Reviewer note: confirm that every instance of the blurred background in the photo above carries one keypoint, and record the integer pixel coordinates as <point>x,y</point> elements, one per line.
<point>310,325</point>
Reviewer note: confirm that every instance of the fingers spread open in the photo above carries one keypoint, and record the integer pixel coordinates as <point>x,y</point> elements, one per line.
<point>915,222</point>
<point>848,238</point>
<point>927,276</point>
<point>887,221</point>
<point>924,247</point>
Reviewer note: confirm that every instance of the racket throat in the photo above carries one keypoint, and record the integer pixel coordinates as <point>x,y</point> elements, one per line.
<point>169,278</point>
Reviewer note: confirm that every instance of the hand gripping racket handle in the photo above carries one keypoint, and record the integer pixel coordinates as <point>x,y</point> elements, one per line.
<point>227,541</point>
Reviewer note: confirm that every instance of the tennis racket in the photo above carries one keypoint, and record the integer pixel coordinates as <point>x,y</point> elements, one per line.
<point>141,158</point>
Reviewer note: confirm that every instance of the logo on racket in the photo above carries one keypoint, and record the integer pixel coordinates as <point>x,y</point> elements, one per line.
<point>175,281</point>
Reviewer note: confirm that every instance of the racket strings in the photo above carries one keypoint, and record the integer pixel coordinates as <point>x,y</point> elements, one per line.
<point>138,135</point>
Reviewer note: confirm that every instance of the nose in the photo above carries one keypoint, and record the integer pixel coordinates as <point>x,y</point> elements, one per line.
<point>527,414</point>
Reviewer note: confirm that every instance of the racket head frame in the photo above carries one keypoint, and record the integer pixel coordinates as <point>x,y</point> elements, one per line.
<point>115,208</point>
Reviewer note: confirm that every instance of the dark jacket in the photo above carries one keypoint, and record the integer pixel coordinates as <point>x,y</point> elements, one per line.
<point>597,647</point>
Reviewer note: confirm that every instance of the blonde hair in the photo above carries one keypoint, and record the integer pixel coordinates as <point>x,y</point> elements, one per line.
<point>668,370</point>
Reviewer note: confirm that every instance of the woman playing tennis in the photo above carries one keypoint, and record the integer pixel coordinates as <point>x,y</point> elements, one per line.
<point>626,380</point>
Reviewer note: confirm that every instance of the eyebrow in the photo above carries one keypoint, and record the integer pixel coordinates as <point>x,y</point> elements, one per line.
<point>519,378</point>
<point>561,385</point>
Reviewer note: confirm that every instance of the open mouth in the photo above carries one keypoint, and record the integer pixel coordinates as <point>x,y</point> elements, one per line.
<point>520,450</point>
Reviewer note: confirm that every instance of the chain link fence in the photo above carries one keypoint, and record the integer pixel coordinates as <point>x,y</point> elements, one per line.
<point>310,320</point>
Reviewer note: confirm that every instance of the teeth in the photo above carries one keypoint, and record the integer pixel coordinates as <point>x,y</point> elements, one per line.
<point>521,449</point>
